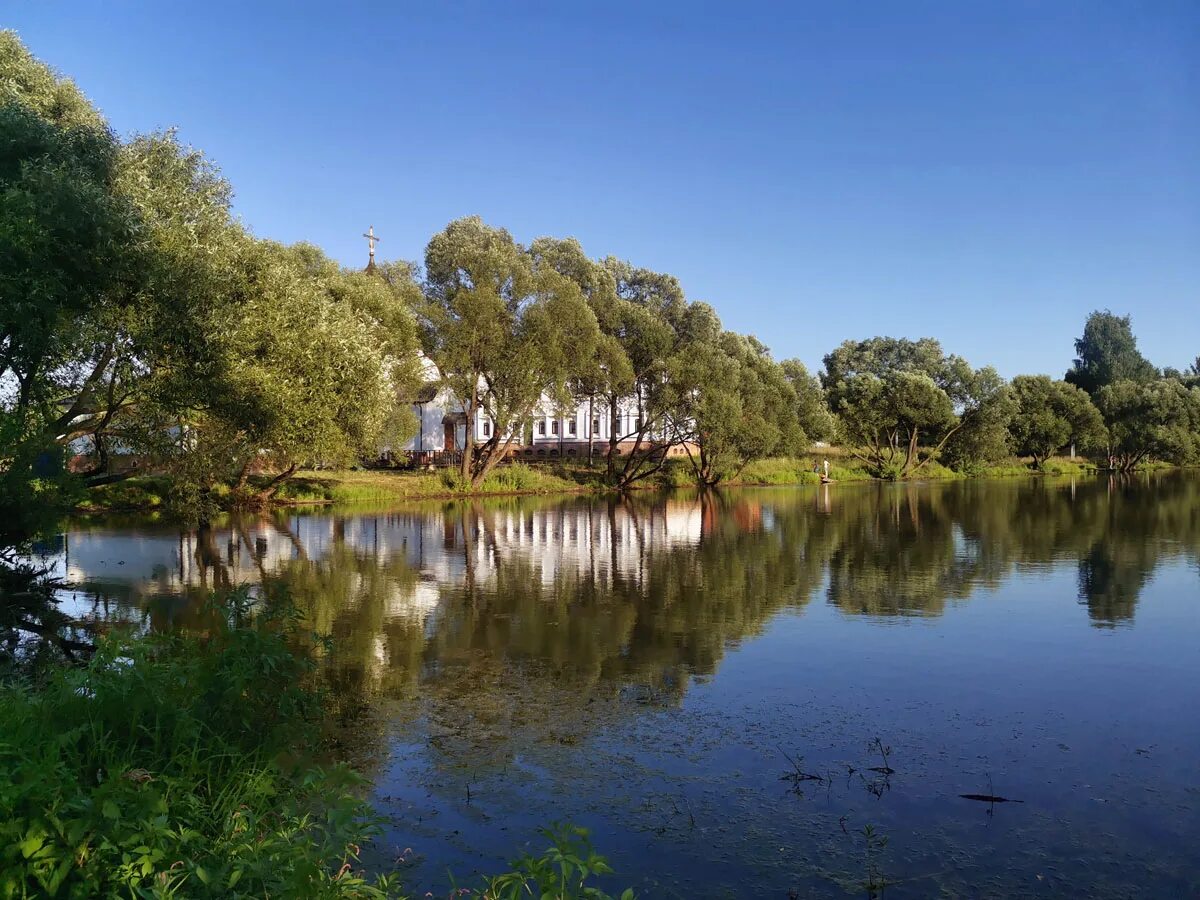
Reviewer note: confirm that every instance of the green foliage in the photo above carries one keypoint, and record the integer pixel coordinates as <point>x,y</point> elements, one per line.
<point>778,470</point>
<point>901,403</point>
<point>140,492</point>
<point>983,435</point>
<point>1015,469</point>
<point>1051,414</point>
<point>734,405</point>
<point>516,477</point>
<point>1108,353</point>
<point>608,371</point>
<point>373,486</point>
<point>1057,467</point>
<point>69,254</point>
<point>1151,420</point>
<point>29,83</point>
<point>165,767</point>
<point>653,324</point>
<point>812,411</point>
<point>136,311</point>
<point>561,872</point>
<point>502,332</point>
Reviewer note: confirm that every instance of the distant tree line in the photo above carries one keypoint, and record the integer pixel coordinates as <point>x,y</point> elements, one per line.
<point>138,313</point>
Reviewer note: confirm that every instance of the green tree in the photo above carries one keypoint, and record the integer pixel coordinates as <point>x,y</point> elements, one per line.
<point>982,436</point>
<point>812,409</point>
<point>899,403</point>
<point>651,321</point>
<point>1190,376</point>
<point>70,258</point>
<point>1151,419</point>
<point>608,373</point>
<point>1050,415</point>
<point>383,300</point>
<point>735,405</point>
<point>502,332</point>
<point>1108,353</point>
<point>189,242</point>
<point>282,375</point>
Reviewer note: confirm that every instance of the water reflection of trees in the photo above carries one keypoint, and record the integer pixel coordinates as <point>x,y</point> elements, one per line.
<point>546,620</point>
<point>509,627</point>
<point>910,549</point>
<point>641,594</point>
<point>615,593</point>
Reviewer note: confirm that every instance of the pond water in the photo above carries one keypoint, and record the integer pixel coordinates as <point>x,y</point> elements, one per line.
<point>656,668</point>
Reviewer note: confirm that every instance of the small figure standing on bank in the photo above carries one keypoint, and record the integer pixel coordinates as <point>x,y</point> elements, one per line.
<point>826,463</point>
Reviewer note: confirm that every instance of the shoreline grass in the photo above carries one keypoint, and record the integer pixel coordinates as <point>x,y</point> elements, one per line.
<point>144,493</point>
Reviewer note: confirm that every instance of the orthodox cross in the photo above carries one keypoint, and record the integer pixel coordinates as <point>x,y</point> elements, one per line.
<point>372,240</point>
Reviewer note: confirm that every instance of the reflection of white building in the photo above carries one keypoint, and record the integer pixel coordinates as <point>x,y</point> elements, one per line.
<point>442,549</point>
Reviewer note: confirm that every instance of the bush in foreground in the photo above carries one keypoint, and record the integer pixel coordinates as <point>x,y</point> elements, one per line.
<point>161,769</point>
<point>167,767</point>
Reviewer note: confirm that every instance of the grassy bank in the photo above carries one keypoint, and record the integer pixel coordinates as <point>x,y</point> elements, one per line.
<point>845,467</point>
<point>150,492</point>
<point>167,766</point>
<point>362,486</point>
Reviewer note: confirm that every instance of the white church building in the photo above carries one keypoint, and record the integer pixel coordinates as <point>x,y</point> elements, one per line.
<point>552,433</point>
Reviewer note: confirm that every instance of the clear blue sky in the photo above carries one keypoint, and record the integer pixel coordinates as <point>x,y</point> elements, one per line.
<point>983,173</point>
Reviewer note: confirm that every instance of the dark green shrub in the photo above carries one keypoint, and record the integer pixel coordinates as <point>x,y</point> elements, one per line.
<point>165,767</point>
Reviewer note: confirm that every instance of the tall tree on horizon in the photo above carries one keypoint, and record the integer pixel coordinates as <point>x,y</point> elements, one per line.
<point>1108,353</point>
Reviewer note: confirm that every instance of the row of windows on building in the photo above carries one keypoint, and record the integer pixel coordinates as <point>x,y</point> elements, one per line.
<point>572,427</point>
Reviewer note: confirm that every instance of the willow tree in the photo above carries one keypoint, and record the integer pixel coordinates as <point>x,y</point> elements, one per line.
<point>283,373</point>
<point>652,322</point>
<point>70,254</point>
<point>1151,420</point>
<point>736,405</point>
<point>501,331</point>
<point>812,409</point>
<point>899,403</point>
<point>1050,415</point>
<point>382,300</point>
<point>608,372</point>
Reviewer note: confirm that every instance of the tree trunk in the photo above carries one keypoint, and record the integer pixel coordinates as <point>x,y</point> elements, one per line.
<point>468,459</point>
<point>911,451</point>
<point>101,443</point>
<point>243,475</point>
<point>109,478</point>
<point>696,467</point>
<point>591,421</point>
<point>491,456</point>
<point>273,486</point>
<point>614,429</point>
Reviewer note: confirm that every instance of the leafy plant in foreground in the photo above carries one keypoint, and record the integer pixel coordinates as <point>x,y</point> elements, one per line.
<point>163,768</point>
<point>561,872</point>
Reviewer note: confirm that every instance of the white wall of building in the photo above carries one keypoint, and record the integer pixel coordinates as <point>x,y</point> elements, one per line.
<point>548,427</point>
